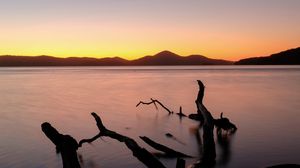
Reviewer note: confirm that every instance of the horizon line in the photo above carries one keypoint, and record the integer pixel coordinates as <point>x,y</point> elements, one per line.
<point>95,57</point>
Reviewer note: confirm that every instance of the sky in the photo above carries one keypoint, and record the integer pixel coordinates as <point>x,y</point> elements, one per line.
<point>225,29</point>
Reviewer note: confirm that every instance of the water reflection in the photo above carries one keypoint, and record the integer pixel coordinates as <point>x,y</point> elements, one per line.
<point>87,163</point>
<point>224,141</point>
<point>64,96</point>
<point>195,131</point>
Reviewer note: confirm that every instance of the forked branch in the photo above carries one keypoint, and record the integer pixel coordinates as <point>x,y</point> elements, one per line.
<point>154,101</point>
<point>140,153</point>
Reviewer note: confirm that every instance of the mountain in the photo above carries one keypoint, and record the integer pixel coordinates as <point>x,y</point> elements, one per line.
<point>288,57</point>
<point>54,61</point>
<point>162,58</point>
<point>169,58</point>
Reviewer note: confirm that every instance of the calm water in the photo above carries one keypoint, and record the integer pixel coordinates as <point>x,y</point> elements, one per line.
<point>264,102</point>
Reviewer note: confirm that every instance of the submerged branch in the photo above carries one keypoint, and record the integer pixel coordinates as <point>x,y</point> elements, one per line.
<point>140,153</point>
<point>181,114</point>
<point>209,150</point>
<point>168,151</point>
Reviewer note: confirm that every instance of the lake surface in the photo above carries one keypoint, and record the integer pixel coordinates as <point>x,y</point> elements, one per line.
<point>263,101</point>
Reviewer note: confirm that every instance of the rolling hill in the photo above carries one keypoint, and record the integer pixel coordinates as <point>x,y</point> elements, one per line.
<point>288,57</point>
<point>162,58</point>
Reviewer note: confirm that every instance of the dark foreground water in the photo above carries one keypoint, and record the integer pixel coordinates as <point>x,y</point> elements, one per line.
<point>264,102</point>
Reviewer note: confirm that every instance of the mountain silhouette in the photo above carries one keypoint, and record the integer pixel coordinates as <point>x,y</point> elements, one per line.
<point>161,58</point>
<point>169,58</point>
<point>54,61</point>
<point>288,57</point>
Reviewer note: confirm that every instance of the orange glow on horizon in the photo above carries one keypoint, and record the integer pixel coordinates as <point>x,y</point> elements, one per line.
<point>73,39</point>
<point>132,33</point>
<point>210,51</point>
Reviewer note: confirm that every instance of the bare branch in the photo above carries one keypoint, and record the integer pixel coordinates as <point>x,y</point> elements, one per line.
<point>88,140</point>
<point>154,101</point>
<point>66,144</point>
<point>209,150</point>
<point>140,153</point>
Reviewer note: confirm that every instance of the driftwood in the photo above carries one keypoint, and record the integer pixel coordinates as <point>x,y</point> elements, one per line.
<point>224,124</point>
<point>65,144</point>
<point>140,153</point>
<point>168,151</point>
<point>196,117</point>
<point>209,150</point>
<point>68,146</point>
<point>154,101</point>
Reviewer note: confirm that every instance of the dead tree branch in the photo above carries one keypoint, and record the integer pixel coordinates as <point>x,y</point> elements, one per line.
<point>224,124</point>
<point>209,151</point>
<point>65,144</point>
<point>154,101</point>
<point>140,153</point>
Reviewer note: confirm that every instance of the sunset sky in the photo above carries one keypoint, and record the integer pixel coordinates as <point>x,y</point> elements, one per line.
<point>227,29</point>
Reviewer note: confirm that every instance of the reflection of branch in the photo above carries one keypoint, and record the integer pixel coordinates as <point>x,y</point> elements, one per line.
<point>168,151</point>
<point>154,101</point>
<point>224,140</point>
<point>140,153</point>
<point>168,135</point>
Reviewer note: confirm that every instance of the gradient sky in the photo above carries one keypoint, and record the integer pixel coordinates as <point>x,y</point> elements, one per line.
<point>227,29</point>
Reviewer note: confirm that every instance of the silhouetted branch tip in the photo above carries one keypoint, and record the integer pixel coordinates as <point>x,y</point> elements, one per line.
<point>154,101</point>
<point>98,121</point>
<point>65,144</point>
<point>181,114</point>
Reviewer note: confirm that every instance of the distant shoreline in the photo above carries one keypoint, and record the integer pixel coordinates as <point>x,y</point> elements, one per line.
<point>164,58</point>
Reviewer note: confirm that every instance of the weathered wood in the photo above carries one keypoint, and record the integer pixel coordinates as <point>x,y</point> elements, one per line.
<point>196,117</point>
<point>65,144</point>
<point>154,101</point>
<point>209,150</point>
<point>224,124</point>
<point>140,153</point>
<point>168,151</point>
